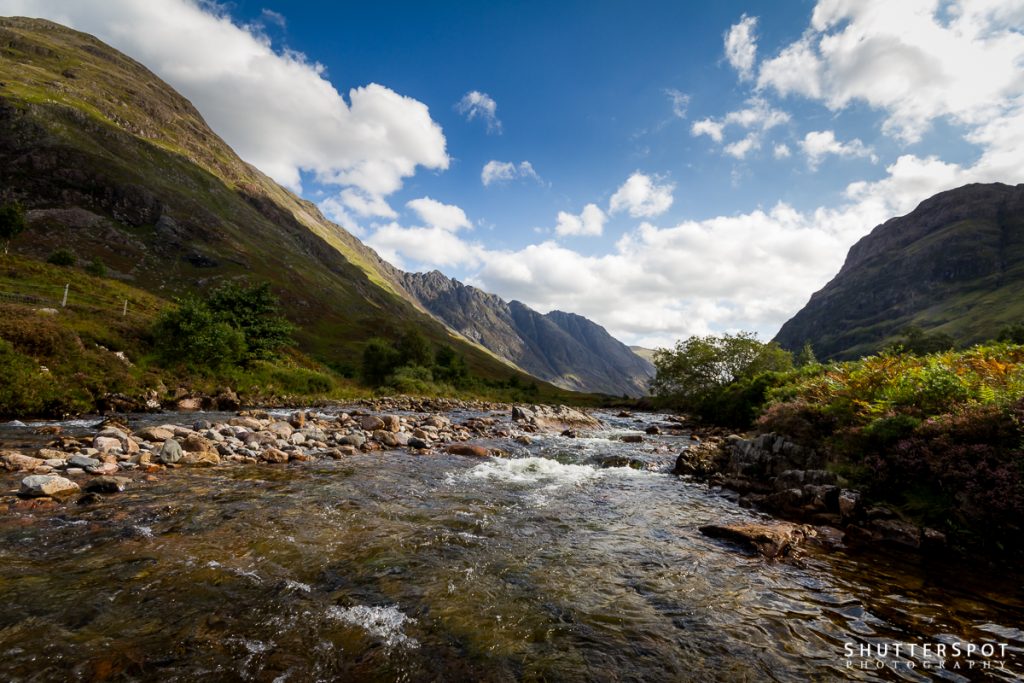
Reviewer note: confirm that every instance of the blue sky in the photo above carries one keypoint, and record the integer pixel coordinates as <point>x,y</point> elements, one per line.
<point>664,168</point>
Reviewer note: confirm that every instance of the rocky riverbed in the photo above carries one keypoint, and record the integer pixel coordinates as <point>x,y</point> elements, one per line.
<point>440,540</point>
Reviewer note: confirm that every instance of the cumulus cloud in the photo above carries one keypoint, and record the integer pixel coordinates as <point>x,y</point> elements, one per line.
<point>434,241</point>
<point>913,61</point>
<point>781,151</point>
<point>276,108</point>
<point>476,104</point>
<point>504,171</point>
<point>819,144</point>
<point>590,222</point>
<point>758,117</point>
<point>365,204</point>
<point>741,46</point>
<point>642,196</point>
<point>680,102</point>
<point>438,215</point>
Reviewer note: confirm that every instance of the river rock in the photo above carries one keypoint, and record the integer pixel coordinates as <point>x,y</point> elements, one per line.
<point>170,452</point>
<point>107,484</point>
<point>194,443</point>
<point>297,419</point>
<point>392,423</point>
<point>632,438</point>
<point>281,429</point>
<point>250,423</point>
<point>105,467</point>
<point>273,455</point>
<point>370,423</point>
<point>82,461</point>
<point>51,454</point>
<point>38,485</point>
<point>13,461</point>
<point>653,429</point>
<point>417,443</point>
<point>468,449</point>
<point>200,459</point>
<point>768,540</point>
<point>356,440</point>
<point>105,444</point>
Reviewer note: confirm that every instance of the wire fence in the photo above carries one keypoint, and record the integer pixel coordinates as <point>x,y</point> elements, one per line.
<point>72,298</point>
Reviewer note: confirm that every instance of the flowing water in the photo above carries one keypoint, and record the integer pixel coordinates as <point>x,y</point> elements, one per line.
<point>542,566</point>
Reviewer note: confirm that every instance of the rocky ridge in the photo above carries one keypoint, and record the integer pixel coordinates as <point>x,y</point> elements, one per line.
<point>565,349</point>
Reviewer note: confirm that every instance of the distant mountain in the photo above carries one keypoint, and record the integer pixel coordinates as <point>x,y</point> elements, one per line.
<point>110,162</point>
<point>565,349</point>
<point>646,354</point>
<point>954,265</point>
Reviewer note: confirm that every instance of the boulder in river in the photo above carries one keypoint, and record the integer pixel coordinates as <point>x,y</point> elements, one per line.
<point>14,461</point>
<point>768,540</point>
<point>107,484</point>
<point>468,449</point>
<point>38,485</point>
<point>170,452</point>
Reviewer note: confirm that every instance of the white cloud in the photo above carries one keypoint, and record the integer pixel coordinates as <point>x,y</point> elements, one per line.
<point>758,117</point>
<point>366,204</point>
<point>819,144</point>
<point>435,214</point>
<point>680,102</point>
<point>273,17</point>
<point>781,151</point>
<point>915,61</point>
<point>504,171</point>
<point>590,223</point>
<point>479,104</point>
<point>275,108</point>
<point>741,46</point>
<point>713,129</point>
<point>642,196</point>
<point>740,148</point>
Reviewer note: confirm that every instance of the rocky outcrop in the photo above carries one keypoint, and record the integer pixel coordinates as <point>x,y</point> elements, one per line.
<point>954,265</point>
<point>552,418</point>
<point>565,349</point>
<point>768,540</point>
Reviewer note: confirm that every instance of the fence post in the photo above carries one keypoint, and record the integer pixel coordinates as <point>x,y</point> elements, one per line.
<point>125,311</point>
<point>64,301</point>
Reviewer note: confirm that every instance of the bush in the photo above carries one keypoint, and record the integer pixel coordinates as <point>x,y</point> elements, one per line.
<point>718,376</point>
<point>412,379</point>
<point>12,223</point>
<point>193,334</point>
<point>380,359</point>
<point>62,257</point>
<point>254,312</point>
<point>97,268</point>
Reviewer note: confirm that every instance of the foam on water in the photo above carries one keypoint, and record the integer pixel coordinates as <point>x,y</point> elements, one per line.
<point>548,474</point>
<point>385,623</point>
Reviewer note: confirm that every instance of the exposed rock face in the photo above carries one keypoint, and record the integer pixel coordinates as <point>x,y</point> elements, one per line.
<point>565,349</point>
<point>955,265</point>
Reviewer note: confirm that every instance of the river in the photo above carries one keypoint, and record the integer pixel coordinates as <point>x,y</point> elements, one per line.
<point>543,566</point>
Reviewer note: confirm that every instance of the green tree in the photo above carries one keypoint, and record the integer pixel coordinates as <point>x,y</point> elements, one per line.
<point>1013,334</point>
<point>253,310</point>
<point>194,334</point>
<point>920,343</point>
<point>450,366</point>
<point>805,357</point>
<point>380,359</point>
<point>414,349</point>
<point>12,223</point>
<point>699,367</point>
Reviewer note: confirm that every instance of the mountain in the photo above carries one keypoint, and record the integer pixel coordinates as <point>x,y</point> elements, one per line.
<point>953,265</point>
<point>112,163</point>
<point>565,349</point>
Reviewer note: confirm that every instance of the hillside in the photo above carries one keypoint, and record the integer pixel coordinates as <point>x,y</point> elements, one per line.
<point>954,265</point>
<point>565,349</point>
<point>110,162</point>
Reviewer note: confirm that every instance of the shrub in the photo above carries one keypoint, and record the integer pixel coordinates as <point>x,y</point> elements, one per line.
<point>62,257</point>
<point>253,311</point>
<point>380,359</point>
<point>96,267</point>
<point>193,334</point>
<point>12,223</point>
<point>412,379</point>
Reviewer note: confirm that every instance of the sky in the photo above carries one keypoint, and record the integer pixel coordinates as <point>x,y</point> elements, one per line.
<point>664,168</point>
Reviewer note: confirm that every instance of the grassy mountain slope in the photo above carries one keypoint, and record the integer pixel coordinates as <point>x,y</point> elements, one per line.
<point>114,164</point>
<point>953,265</point>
